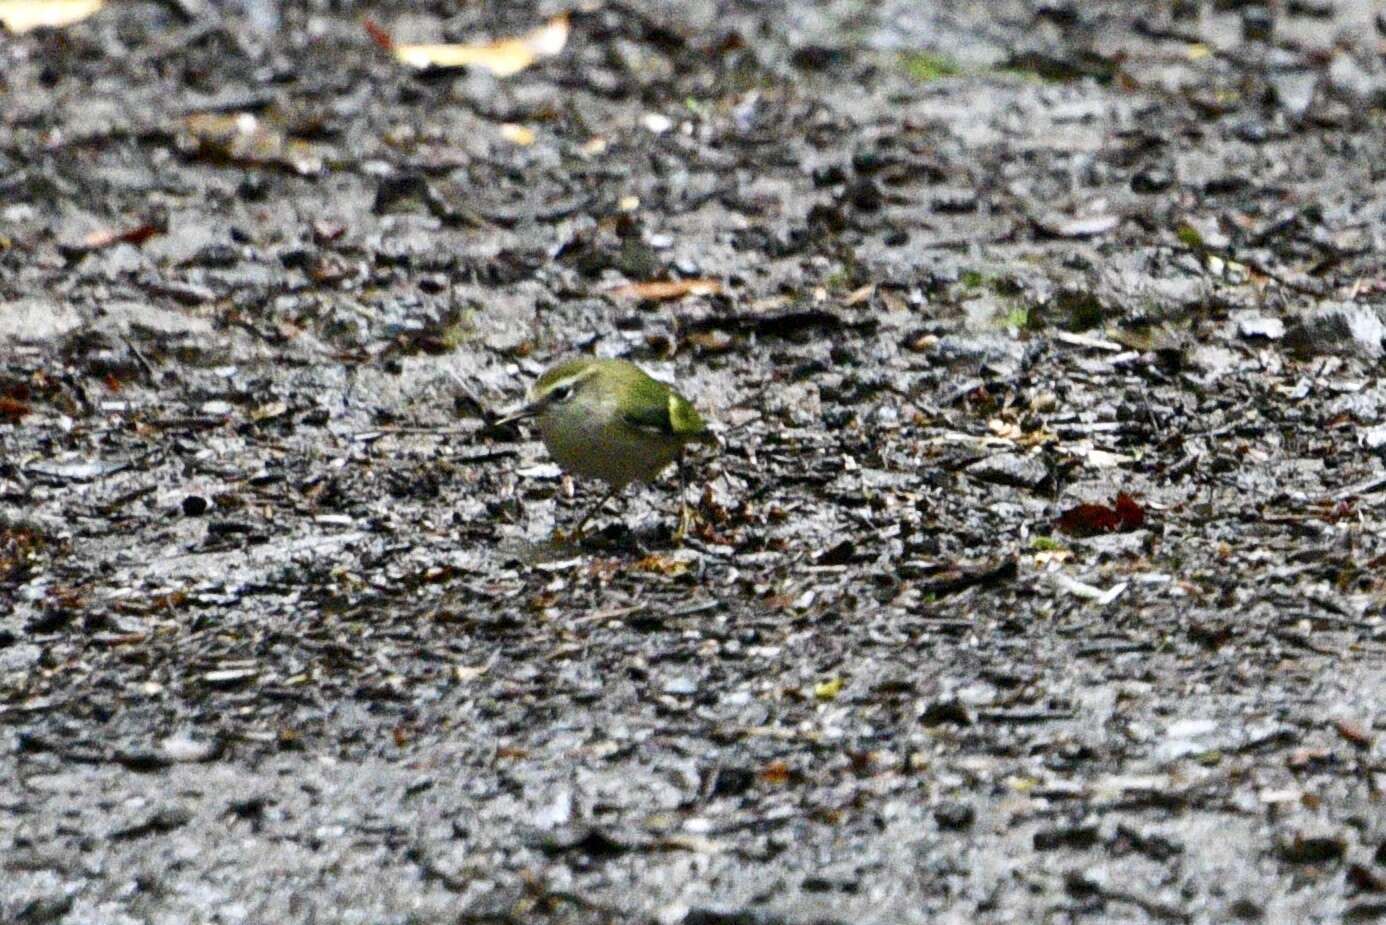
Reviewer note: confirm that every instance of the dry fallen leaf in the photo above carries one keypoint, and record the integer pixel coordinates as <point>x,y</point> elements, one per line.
<point>661,565</point>
<point>665,290</point>
<point>1123,516</point>
<point>828,690</point>
<point>714,341</point>
<point>1082,226</point>
<point>859,296</point>
<point>1353,732</point>
<point>1006,430</point>
<point>19,16</point>
<point>502,57</point>
<point>244,138</point>
<point>517,134</point>
<point>99,240</point>
<point>12,411</point>
<point>776,772</point>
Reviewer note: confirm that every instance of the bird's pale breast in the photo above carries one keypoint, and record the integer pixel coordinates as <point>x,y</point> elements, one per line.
<point>596,442</point>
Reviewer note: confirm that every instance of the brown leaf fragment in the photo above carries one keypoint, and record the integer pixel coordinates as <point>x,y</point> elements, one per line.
<point>776,772</point>
<point>12,410</point>
<point>1354,733</point>
<point>661,565</point>
<point>666,290</point>
<point>246,139</point>
<point>966,575</point>
<point>100,240</point>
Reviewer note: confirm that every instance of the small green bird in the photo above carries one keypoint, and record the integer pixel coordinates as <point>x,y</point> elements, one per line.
<point>610,420</point>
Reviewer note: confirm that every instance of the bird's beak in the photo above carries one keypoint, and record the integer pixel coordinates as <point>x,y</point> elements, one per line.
<point>520,414</point>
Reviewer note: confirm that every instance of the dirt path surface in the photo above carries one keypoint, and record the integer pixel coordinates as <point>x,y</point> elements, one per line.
<point>283,633</point>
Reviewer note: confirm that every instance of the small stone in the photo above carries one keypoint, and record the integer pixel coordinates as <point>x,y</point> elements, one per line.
<point>1260,326</point>
<point>1258,25</point>
<point>945,711</point>
<point>184,749</point>
<point>1294,91</point>
<point>1374,438</point>
<point>865,195</point>
<point>1312,9</point>
<point>37,320</point>
<point>230,677</point>
<point>253,188</point>
<point>818,57</point>
<point>683,686</point>
<point>1247,910</point>
<point>829,175</point>
<point>955,202</point>
<point>954,817</point>
<point>1339,328</point>
<point>1075,837</point>
<point>1010,469</point>
<point>1254,131</point>
<point>1351,81</point>
<point>1312,847</point>
<point>1151,180</point>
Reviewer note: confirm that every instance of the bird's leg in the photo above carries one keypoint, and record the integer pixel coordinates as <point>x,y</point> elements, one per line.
<point>685,512</point>
<point>577,532</point>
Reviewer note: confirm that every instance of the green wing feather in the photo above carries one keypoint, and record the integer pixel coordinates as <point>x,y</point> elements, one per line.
<point>659,408</point>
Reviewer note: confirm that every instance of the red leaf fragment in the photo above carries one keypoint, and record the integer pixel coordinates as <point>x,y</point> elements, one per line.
<point>379,35</point>
<point>100,240</point>
<point>1089,518</point>
<point>1124,516</point>
<point>1132,514</point>
<point>12,410</point>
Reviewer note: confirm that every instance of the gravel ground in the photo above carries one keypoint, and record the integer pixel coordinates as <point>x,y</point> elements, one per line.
<point>1037,579</point>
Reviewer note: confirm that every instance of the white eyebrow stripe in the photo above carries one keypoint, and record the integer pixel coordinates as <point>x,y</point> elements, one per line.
<point>565,382</point>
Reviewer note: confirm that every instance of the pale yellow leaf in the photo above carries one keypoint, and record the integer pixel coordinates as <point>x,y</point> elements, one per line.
<point>26,15</point>
<point>664,290</point>
<point>829,689</point>
<point>502,57</point>
<point>517,134</point>
<point>858,296</point>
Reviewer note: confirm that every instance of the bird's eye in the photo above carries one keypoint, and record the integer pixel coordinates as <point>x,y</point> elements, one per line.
<point>562,393</point>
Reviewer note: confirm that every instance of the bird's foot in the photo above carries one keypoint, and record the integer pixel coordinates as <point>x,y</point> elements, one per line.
<point>688,519</point>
